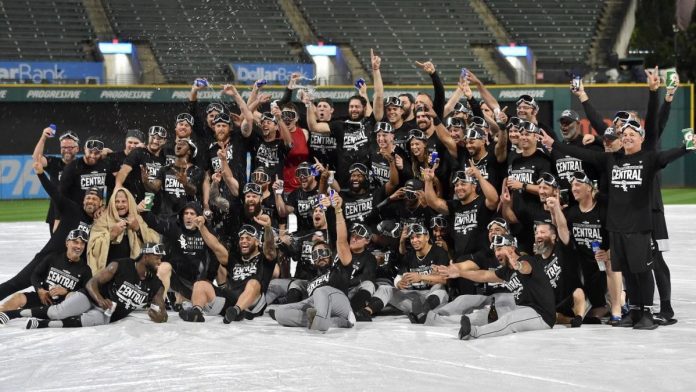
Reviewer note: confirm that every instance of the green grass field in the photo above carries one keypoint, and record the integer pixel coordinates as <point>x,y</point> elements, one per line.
<point>35,210</point>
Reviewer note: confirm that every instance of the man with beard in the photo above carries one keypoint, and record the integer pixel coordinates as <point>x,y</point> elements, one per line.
<point>416,290</point>
<point>524,276</point>
<point>248,274</point>
<point>183,129</point>
<point>407,102</point>
<point>357,263</point>
<point>438,138</point>
<point>299,247</point>
<point>566,165</point>
<point>89,172</point>
<point>561,270</point>
<point>75,217</point>
<point>234,146</point>
<point>252,208</point>
<point>177,182</point>
<point>493,294</point>
<point>526,217</point>
<point>385,176</point>
<point>58,275</point>
<point>327,304</point>
<point>195,252</point>
<point>269,150</point>
<point>301,200</point>
<point>123,286</point>
<point>358,202</point>
<point>148,159</point>
<point>352,135</point>
<point>69,148</point>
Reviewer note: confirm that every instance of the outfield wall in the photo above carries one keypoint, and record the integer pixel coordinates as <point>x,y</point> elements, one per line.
<point>107,111</point>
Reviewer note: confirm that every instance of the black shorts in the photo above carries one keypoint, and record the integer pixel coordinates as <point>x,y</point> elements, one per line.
<point>33,300</point>
<point>631,252</point>
<point>181,285</point>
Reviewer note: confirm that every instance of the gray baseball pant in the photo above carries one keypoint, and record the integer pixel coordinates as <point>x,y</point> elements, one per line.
<point>409,301</point>
<point>333,310</point>
<point>452,312</point>
<point>519,319</point>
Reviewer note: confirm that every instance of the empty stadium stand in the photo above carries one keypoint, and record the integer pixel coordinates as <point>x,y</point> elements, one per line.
<point>559,32</point>
<point>44,30</point>
<point>403,32</point>
<point>199,37</point>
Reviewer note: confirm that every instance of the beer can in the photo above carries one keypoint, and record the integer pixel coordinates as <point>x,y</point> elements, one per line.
<point>149,200</point>
<point>110,311</point>
<point>671,78</point>
<point>688,138</point>
<point>53,127</point>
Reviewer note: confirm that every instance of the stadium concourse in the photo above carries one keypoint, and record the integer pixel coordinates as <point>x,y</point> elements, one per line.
<point>389,353</point>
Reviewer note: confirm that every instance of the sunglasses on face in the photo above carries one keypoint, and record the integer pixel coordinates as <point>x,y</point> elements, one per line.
<point>360,231</point>
<point>267,116</point>
<point>320,253</point>
<point>460,175</point>
<point>633,124</point>
<point>410,194</point>
<point>526,126</point>
<point>454,122</point>
<point>548,179</point>
<point>288,115</point>
<point>303,172</point>
<point>156,130</point>
<point>78,234</point>
<point>97,145</point>
<point>384,127</point>
<point>222,118</point>
<point>501,240</point>
<point>438,221</point>
<point>185,117</point>
<point>249,230</point>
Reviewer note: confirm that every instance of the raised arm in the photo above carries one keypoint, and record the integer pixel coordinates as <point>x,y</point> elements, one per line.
<point>651,128</point>
<point>486,95</point>
<point>37,155</point>
<point>342,247</point>
<point>247,115</point>
<point>595,118</point>
<point>269,249</point>
<point>558,219</point>
<point>438,87</point>
<point>457,94</point>
<point>487,189</point>
<point>431,197</point>
<point>378,98</point>
<point>284,131</point>
<point>312,123</point>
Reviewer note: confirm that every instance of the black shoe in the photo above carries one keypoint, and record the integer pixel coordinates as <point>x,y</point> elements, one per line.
<point>233,314</point>
<point>311,314</point>
<point>576,322</point>
<point>193,315</point>
<point>416,318</point>
<point>271,312</point>
<point>646,322</point>
<point>363,315</point>
<point>614,320</point>
<point>628,320</point>
<point>465,328</point>
<point>661,320</point>
<point>591,320</point>
<point>177,307</point>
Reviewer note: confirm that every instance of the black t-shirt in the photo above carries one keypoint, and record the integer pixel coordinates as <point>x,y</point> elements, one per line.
<point>300,249</point>
<point>401,213</point>
<point>56,270</point>
<point>352,144</point>
<point>527,215</point>
<point>199,160</point>
<point>120,250</point>
<point>187,252</point>
<point>362,267</point>
<point>268,154</point>
<point>401,133</point>
<point>468,225</point>
<point>533,290</point>
<point>172,196</point>
<point>77,177</point>
<point>240,271</point>
<point>527,170</point>
<point>236,152</point>
<point>424,266</point>
<point>586,228</point>
<point>566,165</point>
<point>323,147</point>
<point>488,165</point>
<point>303,203</point>
<point>358,208</point>
<point>72,215</point>
<point>152,163</point>
<point>128,291</point>
<point>333,277</point>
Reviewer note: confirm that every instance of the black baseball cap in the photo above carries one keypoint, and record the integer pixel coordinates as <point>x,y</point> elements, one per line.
<point>570,115</point>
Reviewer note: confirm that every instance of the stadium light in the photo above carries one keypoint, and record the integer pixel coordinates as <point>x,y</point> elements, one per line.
<point>321,50</point>
<point>513,51</point>
<point>115,48</point>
